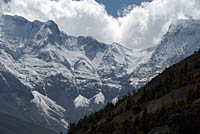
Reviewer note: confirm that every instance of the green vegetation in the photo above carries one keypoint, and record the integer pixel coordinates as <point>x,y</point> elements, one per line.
<point>169,104</point>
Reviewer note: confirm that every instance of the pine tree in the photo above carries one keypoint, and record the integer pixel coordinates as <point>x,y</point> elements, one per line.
<point>144,121</point>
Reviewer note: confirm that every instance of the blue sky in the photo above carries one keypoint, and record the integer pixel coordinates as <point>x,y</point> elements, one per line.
<point>6,1</point>
<point>112,6</point>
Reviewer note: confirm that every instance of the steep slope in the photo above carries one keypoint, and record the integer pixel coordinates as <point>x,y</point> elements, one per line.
<point>40,51</point>
<point>57,69</point>
<point>12,125</point>
<point>19,101</point>
<point>170,103</point>
<point>68,77</point>
<point>181,40</point>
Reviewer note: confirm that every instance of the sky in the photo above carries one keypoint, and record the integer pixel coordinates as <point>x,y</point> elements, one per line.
<point>113,7</point>
<point>137,25</point>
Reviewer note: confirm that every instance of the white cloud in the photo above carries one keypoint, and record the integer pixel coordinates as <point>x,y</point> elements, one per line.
<point>125,11</point>
<point>141,27</point>
<point>1,9</point>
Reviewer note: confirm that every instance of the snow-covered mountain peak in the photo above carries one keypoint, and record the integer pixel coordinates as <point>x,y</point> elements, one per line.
<point>72,76</point>
<point>52,26</point>
<point>182,40</point>
<point>16,27</point>
<point>184,26</point>
<point>15,18</point>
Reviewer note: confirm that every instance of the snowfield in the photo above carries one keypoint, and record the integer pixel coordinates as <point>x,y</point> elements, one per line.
<point>63,75</point>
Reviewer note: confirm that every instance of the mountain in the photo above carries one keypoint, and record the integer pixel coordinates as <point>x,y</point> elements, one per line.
<point>181,40</point>
<point>59,78</point>
<point>20,102</point>
<point>169,103</point>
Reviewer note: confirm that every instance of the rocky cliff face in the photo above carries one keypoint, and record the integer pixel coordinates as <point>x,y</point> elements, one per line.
<point>65,77</point>
<point>179,42</point>
<point>60,78</point>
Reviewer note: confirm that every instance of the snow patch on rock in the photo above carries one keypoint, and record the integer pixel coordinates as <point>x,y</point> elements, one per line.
<point>49,109</point>
<point>81,101</point>
<point>99,98</point>
<point>115,100</point>
<point>46,105</point>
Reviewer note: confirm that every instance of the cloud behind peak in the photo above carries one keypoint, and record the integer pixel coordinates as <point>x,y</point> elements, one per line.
<point>141,27</point>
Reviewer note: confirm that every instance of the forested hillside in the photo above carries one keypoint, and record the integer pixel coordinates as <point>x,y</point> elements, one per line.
<point>169,104</point>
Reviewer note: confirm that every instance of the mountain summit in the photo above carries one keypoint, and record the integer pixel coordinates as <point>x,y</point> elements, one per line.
<point>59,78</point>
<point>65,77</point>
